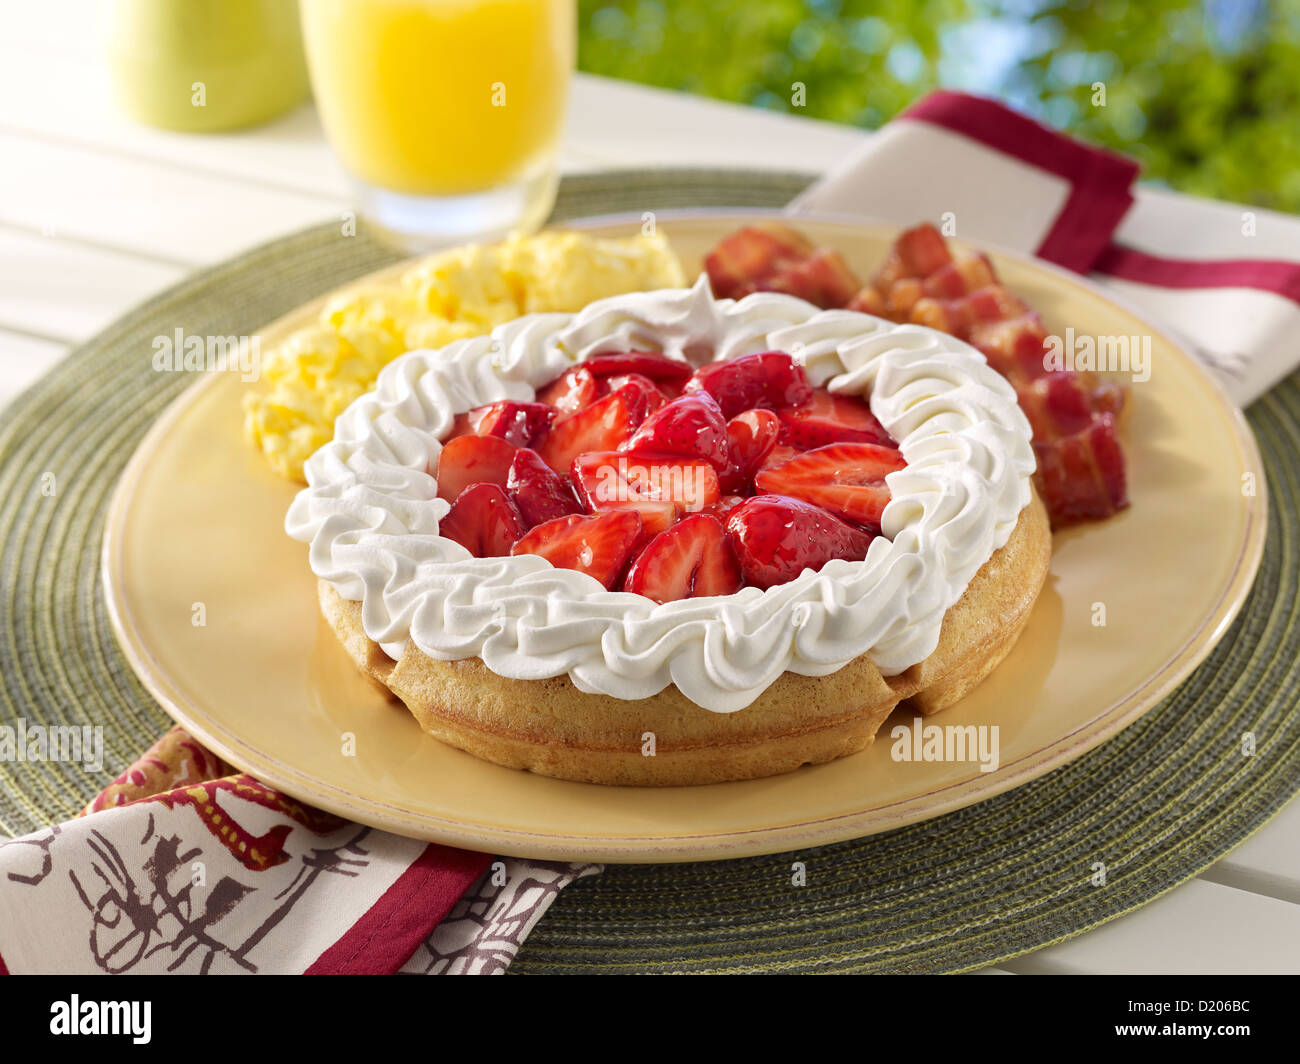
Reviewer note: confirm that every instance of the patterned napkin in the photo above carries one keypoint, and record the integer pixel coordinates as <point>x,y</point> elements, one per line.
<point>183,865</point>
<point>1225,280</point>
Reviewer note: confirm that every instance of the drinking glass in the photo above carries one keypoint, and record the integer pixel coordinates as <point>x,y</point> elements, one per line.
<point>447,114</point>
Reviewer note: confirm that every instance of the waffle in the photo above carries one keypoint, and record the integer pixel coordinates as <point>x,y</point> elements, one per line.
<point>550,727</point>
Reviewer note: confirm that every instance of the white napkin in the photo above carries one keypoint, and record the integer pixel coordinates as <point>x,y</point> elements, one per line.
<point>1222,279</point>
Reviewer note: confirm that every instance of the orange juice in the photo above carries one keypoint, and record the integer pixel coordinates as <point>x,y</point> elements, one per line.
<point>441,97</point>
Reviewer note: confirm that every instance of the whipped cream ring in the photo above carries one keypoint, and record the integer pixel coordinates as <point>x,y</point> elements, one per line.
<point>371,511</point>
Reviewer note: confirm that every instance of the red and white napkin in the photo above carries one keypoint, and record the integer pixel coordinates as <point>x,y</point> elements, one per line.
<point>1223,279</point>
<point>183,865</point>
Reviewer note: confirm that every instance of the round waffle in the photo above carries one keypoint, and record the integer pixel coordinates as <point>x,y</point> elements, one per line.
<point>550,727</point>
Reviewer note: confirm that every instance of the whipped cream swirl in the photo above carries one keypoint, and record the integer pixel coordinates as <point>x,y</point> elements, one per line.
<point>371,510</point>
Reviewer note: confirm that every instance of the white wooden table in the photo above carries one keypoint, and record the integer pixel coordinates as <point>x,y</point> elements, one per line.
<point>97,213</point>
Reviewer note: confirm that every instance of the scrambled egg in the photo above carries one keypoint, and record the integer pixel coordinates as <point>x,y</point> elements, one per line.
<point>309,380</point>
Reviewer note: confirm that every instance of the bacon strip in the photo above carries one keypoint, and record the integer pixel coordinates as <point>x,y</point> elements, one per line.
<point>1081,469</point>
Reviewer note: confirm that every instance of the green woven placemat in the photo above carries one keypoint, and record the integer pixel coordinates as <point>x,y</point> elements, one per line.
<point>1155,805</point>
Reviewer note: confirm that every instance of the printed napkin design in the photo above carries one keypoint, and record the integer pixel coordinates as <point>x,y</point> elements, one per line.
<point>180,867</point>
<point>482,934</point>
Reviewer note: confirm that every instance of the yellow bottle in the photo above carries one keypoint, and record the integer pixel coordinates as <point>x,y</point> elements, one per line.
<point>205,65</point>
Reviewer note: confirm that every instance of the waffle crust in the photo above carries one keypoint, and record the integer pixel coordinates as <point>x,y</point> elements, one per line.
<point>551,728</point>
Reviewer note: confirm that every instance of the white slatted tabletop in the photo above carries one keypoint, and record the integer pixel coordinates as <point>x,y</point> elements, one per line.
<point>97,213</point>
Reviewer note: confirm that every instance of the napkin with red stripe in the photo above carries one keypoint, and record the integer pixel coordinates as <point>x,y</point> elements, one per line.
<point>183,865</point>
<point>1222,279</point>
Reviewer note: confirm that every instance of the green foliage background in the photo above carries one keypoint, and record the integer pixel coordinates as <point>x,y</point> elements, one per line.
<point>1205,93</point>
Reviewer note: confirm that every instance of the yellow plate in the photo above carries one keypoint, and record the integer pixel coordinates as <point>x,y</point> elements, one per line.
<point>197,518</point>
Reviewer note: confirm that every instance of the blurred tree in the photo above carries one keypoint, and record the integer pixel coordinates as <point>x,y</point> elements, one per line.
<point>1205,93</point>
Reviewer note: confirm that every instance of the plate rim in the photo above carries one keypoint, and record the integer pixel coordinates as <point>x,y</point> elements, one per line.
<point>710,846</point>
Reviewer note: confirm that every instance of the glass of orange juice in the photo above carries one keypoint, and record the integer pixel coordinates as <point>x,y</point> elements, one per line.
<point>446,113</point>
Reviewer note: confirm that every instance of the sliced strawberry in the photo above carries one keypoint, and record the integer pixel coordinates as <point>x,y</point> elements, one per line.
<point>573,390</point>
<point>460,426</point>
<point>847,479</point>
<point>669,390</point>
<point>691,426</point>
<point>723,507</point>
<point>779,454</point>
<point>660,488</point>
<point>691,560</point>
<point>771,379</point>
<point>831,419</point>
<point>608,480</point>
<point>649,364</point>
<point>656,517</point>
<point>599,545</point>
<point>523,424</point>
<point>470,460</point>
<point>776,538</point>
<point>603,426</point>
<point>539,492</point>
<point>750,438</point>
<point>484,521</point>
<point>651,393</point>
